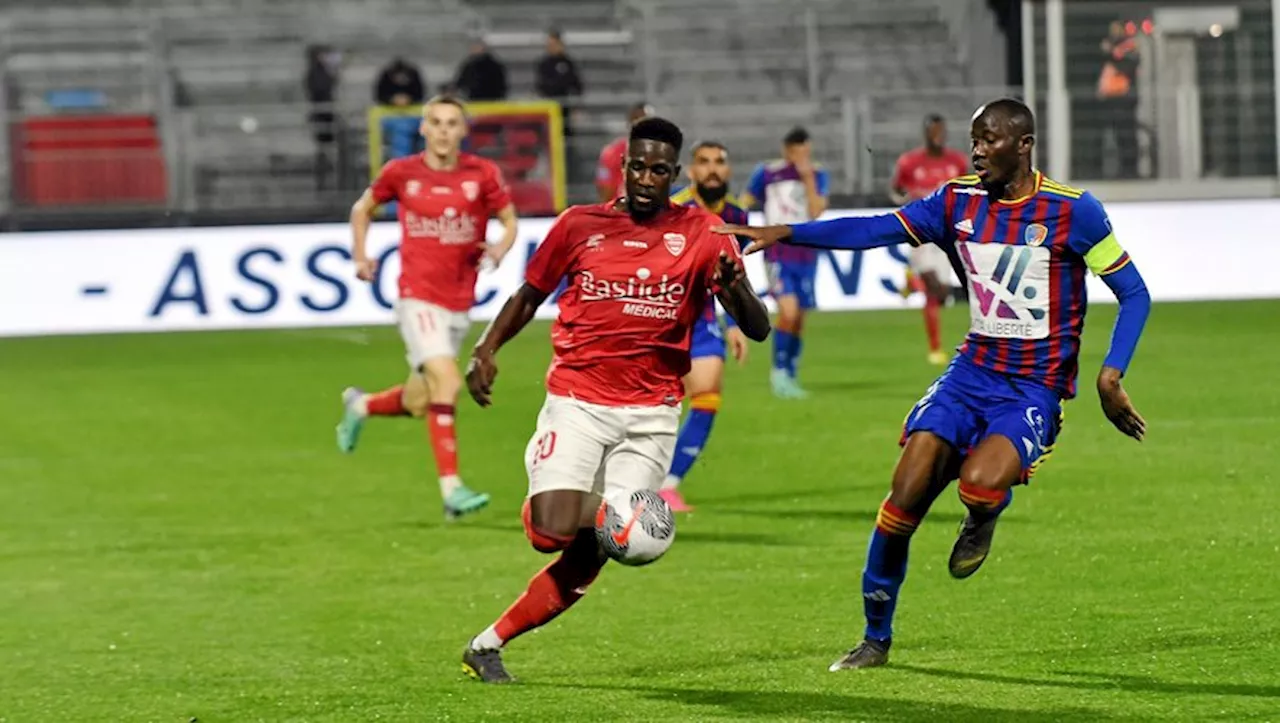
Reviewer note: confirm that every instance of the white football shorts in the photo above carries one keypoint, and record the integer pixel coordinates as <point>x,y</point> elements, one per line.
<point>591,448</point>
<point>927,258</point>
<point>430,331</point>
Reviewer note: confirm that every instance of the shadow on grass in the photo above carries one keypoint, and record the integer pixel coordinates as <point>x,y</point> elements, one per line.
<point>780,704</point>
<point>1104,681</point>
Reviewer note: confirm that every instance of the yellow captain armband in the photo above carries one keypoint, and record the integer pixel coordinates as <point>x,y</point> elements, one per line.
<point>1106,256</point>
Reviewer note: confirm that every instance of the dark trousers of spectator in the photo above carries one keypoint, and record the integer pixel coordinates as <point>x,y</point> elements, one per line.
<point>1121,116</point>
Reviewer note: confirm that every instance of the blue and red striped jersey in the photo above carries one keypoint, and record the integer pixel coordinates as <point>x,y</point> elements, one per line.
<point>1026,261</point>
<point>777,187</point>
<point>729,210</point>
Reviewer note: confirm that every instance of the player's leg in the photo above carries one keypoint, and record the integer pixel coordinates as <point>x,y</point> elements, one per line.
<point>396,401</point>
<point>702,387</point>
<point>565,463</point>
<point>444,383</point>
<point>938,426</point>
<point>807,301</point>
<point>1020,434</point>
<point>935,297</point>
<point>786,332</point>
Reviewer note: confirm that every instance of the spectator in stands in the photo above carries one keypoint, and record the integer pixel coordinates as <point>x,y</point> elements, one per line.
<point>1117,96</point>
<point>323,65</point>
<point>557,77</point>
<point>400,84</point>
<point>482,76</point>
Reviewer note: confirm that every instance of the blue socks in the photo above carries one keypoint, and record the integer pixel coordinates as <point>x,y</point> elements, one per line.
<point>786,350</point>
<point>694,432</point>
<point>886,569</point>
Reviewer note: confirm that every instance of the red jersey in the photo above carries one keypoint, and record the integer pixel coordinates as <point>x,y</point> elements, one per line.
<point>443,217</point>
<point>635,291</point>
<point>609,167</point>
<point>919,173</point>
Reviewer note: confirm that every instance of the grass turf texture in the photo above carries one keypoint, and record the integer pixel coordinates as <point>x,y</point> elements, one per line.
<point>179,538</point>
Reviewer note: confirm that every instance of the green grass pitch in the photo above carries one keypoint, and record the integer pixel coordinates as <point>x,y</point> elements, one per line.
<point>180,539</point>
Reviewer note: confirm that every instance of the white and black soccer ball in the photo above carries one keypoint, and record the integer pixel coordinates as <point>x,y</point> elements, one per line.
<point>635,527</point>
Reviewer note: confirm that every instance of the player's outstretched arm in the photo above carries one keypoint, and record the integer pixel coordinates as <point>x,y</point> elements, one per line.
<point>856,233</point>
<point>514,316</point>
<point>740,300</point>
<point>1135,306</point>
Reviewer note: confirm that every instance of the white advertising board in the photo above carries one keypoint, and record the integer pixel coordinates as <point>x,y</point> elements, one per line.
<point>301,276</point>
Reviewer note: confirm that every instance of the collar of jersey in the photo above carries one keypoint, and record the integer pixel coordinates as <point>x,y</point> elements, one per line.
<point>1034,190</point>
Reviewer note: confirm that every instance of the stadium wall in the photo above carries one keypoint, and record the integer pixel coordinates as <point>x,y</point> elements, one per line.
<point>300,276</point>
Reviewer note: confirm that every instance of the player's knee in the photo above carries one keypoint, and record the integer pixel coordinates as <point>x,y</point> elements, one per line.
<point>443,380</point>
<point>414,399</point>
<point>983,474</point>
<point>541,537</point>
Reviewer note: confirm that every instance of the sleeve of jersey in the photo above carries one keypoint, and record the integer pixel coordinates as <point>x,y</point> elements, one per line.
<point>497,195</point>
<point>755,184</point>
<point>916,223</point>
<point>1092,237</point>
<point>604,165</point>
<point>822,181</point>
<point>383,187</point>
<point>550,261</point>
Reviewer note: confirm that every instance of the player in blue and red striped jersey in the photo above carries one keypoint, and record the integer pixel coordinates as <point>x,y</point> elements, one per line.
<point>709,173</point>
<point>1026,244</point>
<point>792,189</point>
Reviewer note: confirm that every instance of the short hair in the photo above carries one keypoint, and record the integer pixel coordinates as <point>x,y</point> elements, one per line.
<point>1015,112</point>
<point>444,99</point>
<point>658,129</point>
<point>932,118</point>
<point>708,144</point>
<point>555,34</point>
<point>795,137</point>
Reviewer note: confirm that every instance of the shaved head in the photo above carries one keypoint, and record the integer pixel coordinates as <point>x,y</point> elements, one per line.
<point>1011,113</point>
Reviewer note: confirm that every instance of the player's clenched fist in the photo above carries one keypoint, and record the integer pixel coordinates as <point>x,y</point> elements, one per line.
<point>366,269</point>
<point>481,371</point>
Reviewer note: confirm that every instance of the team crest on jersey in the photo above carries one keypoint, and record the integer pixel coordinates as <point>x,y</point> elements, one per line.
<point>1035,234</point>
<point>471,190</point>
<point>412,187</point>
<point>674,242</point>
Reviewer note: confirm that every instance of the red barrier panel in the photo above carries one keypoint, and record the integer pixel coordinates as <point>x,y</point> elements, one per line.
<point>89,160</point>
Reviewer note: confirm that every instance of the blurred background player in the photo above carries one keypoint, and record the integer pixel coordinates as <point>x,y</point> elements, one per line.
<point>993,416</point>
<point>790,190</point>
<point>621,348</point>
<point>444,199</point>
<point>609,180</point>
<point>918,173</point>
<point>709,173</point>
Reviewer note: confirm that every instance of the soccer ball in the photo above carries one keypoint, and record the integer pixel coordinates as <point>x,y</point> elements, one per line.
<point>634,527</point>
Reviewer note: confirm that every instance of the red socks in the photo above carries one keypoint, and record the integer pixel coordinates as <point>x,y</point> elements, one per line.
<point>553,590</point>
<point>387,403</point>
<point>444,438</point>
<point>932,323</point>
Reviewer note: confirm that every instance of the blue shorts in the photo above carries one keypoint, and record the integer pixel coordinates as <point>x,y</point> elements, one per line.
<point>707,340</point>
<point>968,403</point>
<point>786,279</point>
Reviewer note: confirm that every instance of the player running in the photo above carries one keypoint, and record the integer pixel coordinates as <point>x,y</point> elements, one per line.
<point>709,173</point>
<point>640,273</point>
<point>791,190</point>
<point>609,181</point>
<point>918,173</point>
<point>444,199</point>
<point>992,417</point>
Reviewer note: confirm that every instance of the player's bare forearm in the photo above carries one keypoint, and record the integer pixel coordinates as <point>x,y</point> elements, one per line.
<point>740,302</point>
<point>361,218</point>
<point>510,227</point>
<point>514,316</point>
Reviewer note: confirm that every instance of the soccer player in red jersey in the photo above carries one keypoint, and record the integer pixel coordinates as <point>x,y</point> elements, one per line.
<point>609,181</point>
<point>994,415</point>
<point>445,198</point>
<point>640,272</point>
<point>917,174</point>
